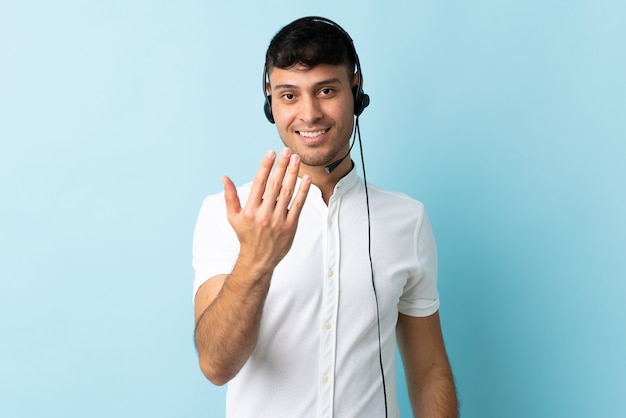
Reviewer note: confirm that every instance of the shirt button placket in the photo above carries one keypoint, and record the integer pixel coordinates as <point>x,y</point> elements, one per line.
<point>329,313</point>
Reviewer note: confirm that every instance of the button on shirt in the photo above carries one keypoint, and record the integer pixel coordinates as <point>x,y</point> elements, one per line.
<point>317,352</point>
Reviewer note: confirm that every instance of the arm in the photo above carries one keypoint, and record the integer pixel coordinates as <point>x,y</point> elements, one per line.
<point>228,308</point>
<point>428,372</point>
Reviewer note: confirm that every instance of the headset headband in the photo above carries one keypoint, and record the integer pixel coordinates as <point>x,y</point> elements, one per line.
<point>361,100</point>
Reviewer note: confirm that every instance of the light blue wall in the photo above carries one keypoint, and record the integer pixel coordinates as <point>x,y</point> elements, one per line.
<point>507,119</point>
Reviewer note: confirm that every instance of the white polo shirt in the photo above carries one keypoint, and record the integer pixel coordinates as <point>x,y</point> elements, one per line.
<point>317,353</point>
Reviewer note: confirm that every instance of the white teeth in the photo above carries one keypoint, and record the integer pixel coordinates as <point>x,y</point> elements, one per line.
<point>312,134</point>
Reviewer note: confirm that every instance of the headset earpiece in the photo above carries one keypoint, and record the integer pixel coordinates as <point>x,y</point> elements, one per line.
<point>361,101</point>
<point>267,108</point>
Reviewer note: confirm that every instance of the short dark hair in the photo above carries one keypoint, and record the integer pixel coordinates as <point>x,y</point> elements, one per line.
<point>309,42</point>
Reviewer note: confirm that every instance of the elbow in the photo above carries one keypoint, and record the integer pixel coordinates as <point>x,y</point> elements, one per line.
<point>216,377</point>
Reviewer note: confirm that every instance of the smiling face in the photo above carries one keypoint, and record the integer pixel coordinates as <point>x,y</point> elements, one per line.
<point>314,112</point>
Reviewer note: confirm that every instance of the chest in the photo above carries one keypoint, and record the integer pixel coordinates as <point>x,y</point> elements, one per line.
<point>329,263</point>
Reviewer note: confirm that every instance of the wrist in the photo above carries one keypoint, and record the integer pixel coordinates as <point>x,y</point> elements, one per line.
<point>250,271</point>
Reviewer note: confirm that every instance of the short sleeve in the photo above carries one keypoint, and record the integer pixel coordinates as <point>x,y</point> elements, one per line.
<point>215,244</point>
<point>420,296</point>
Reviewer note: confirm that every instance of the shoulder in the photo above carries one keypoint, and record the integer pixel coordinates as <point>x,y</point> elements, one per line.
<point>397,197</point>
<point>395,204</point>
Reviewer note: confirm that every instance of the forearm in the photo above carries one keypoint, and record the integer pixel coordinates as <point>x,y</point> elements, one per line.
<point>427,368</point>
<point>433,395</point>
<point>227,331</point>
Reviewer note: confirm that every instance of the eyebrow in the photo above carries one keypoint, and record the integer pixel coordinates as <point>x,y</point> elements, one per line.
<point>333,80</point>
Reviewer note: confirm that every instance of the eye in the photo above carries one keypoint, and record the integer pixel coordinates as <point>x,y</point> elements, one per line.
<point>288,97</point>
<point>326,91</point>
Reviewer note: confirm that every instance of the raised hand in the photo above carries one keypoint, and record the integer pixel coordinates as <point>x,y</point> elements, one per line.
<point>267,223</point>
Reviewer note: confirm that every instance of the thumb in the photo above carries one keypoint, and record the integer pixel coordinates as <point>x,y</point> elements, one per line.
<point>233,204</point>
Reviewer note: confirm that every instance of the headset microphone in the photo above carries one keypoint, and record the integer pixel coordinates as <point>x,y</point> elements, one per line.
<point>331,167</point>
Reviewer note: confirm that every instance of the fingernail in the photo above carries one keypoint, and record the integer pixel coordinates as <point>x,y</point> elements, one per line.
<point>285,152</point>
<point>269,154</point>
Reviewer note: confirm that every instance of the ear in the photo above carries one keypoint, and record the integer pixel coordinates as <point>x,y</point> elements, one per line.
<point>268,89</point>
<point>355,81</point>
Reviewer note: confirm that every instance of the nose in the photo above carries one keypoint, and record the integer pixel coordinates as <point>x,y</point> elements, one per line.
<point>310,109</point>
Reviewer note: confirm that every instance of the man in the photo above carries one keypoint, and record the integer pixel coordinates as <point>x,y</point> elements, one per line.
<point>306,278</point>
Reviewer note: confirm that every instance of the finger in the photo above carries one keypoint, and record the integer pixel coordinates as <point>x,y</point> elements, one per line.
<point>298,201</point>
<point>233,204</point>
<point>275,182</point>
<point>260,179</point>
<point>288,185</point>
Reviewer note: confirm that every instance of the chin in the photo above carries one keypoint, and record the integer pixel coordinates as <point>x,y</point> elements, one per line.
<point>319,159</point>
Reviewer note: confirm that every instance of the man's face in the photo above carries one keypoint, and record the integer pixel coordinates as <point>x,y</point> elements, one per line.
<point>314,111</point>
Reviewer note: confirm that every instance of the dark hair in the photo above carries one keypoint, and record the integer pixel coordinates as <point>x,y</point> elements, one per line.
<point>310,41</point>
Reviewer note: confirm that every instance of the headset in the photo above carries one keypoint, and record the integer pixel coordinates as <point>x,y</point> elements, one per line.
<point>361,100</point>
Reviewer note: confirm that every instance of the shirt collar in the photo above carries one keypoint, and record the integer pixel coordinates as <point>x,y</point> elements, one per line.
<point>347,182</point>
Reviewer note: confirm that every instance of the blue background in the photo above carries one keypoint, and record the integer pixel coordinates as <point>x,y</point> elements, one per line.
<point>507,119</point>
